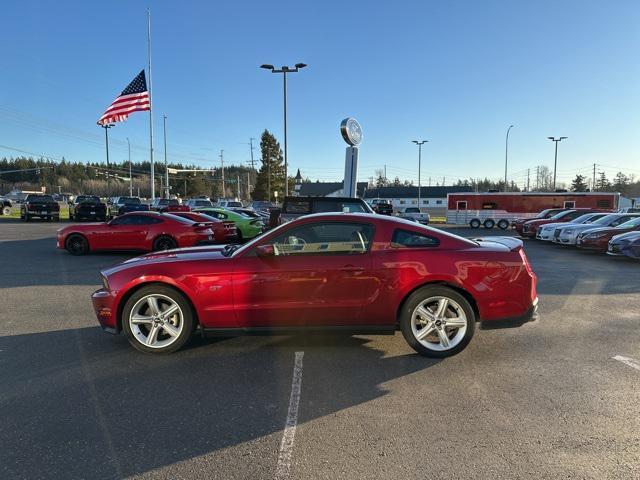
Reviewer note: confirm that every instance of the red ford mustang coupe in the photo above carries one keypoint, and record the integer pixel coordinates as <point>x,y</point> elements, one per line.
<point>146,231</point>
<point>223,231</point>
<point>354,273</point>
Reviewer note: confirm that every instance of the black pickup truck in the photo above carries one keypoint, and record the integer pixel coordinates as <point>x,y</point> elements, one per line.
<point>40,206</point>
<point>294,207</point>
<point>88,207</point>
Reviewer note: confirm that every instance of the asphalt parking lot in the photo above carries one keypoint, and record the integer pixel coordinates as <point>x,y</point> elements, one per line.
<point>546,400</point>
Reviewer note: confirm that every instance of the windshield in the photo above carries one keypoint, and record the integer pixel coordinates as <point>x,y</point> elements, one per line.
<point>630,224</point>
<point>87,199</point>
<point>606,220</point>
<point>129,200</point>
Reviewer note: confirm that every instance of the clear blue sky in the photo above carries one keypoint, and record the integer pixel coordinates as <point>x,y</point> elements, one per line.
<point>455,72</point>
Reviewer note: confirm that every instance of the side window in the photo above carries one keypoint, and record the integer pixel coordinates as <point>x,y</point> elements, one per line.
<point>603,203</point>
<point>620,221</point>
<point>125,220</point>
<point>408,239</point>
<point>144,220</point>
<point>489,206</point>
<point>325,238</point>
<point>569,204</point>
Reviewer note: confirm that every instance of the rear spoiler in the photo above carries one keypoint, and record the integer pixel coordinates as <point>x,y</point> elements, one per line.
<point>512,243</point>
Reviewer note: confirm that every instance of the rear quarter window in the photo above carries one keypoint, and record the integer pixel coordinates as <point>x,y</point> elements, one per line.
<point>298,206</point>
<point>408,239</point>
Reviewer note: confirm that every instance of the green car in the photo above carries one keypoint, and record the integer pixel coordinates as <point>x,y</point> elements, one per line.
<point>248,227</point>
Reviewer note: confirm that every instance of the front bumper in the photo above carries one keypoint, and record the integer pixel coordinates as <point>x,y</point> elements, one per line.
<point>105,308</point>
<point>530,315</point>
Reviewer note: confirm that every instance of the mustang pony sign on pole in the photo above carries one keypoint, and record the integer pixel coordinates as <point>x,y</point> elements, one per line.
<point>134,98</point>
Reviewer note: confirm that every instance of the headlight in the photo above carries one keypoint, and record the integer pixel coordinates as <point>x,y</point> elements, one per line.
<point>105,282</point>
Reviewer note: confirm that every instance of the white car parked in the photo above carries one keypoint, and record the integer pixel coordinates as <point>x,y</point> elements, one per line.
<point>545,232</point>
<point>415,214</point>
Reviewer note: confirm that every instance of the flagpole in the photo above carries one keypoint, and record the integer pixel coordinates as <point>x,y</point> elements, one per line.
<point>153,178</point>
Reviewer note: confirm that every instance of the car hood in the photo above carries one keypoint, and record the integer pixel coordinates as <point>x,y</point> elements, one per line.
<point>207,252</point>
<point>589,231</point>
<point>626,237</point>
<point>558,224</point>
<point>580,226</point>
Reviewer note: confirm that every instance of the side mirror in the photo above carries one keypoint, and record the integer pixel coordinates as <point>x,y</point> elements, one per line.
<point>265,251</point>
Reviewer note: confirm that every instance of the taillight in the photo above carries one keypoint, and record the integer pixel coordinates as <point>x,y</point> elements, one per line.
<point>525,260</point>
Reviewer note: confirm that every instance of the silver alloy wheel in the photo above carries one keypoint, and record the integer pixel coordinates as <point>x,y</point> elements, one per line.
<point>439,323</point>
<point>156,321</point>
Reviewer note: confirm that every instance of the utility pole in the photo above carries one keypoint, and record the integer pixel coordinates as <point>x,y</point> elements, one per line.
<point>593,184</point>
<point>238,179</point>
<point>506,156</point>
<point>528,172</point>
<point>537,178</point>
<point>269,179</point>
<point>166,169</point>
<point>248,186</point>
<point>429,181</point>
<point>419,143</point>
<point>222,170</point>
<point>251,147</point>
<point>555,140</point>
<point>284,70</point>
<point>385,173</point>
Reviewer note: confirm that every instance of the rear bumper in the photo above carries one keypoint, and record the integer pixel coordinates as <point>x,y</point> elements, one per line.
<point>105,308</point>
<point>529,316</point>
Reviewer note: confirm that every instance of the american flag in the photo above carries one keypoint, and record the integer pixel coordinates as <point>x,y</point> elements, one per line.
<point>134,98</point>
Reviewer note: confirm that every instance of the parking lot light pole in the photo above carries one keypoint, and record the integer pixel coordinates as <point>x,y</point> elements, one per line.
<point>166,170</point>
<point>130,178</point>
<point>506,157</point>
<point>106,127</point>
<point>284,70</point>
<point>419,143</point>
<point>555,161</point>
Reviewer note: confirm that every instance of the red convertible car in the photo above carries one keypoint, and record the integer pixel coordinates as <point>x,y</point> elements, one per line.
<point>223,231</point>
<point>353,273</point>
<point>146,231</point>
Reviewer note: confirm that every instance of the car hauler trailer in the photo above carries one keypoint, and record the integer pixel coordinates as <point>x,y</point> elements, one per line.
<point>501,209</point>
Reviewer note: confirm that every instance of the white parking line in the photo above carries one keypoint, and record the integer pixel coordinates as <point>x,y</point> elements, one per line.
<point>286,446</point>
<point>628,361</point>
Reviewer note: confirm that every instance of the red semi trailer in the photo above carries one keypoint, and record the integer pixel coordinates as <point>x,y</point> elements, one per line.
<point>501,209</point>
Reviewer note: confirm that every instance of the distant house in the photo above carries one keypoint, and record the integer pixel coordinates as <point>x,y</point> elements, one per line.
<point>328,189</point>
<point>432,199</point>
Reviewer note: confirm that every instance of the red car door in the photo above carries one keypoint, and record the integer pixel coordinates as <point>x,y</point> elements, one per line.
<point>122,233</point>
<point>320,275</point>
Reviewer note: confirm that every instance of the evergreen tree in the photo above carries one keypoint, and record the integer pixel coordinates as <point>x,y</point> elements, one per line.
<point>602,183</point>
<point>270,177</point>
<point>578,184</point>
<point>620,182</point>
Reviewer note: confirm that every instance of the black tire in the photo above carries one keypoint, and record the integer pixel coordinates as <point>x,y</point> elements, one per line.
<point>188,318</point>
<point>6,210</point>
<point>489,223</point>
<point>503,224</point>
<point>424,294</point>
<point>57,219</point>
<point>475,223</point>
<point>27,218</point>
<point>164,242</point>
<point>76,245</point>
<point>239,236</point>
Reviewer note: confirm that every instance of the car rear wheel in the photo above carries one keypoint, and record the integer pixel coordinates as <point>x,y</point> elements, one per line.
<point>77,245</point>
<point>475,223</point>
<point>164,243</point>
<point>157,319</point>
<point>488,223</point>
<point>503,224</point>
<point>27,218</point>
<point>437,321</point>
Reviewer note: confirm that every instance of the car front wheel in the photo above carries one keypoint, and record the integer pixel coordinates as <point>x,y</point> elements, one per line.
<point>437,321</point>
<point>77,245</point>
<point>157,319</point>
